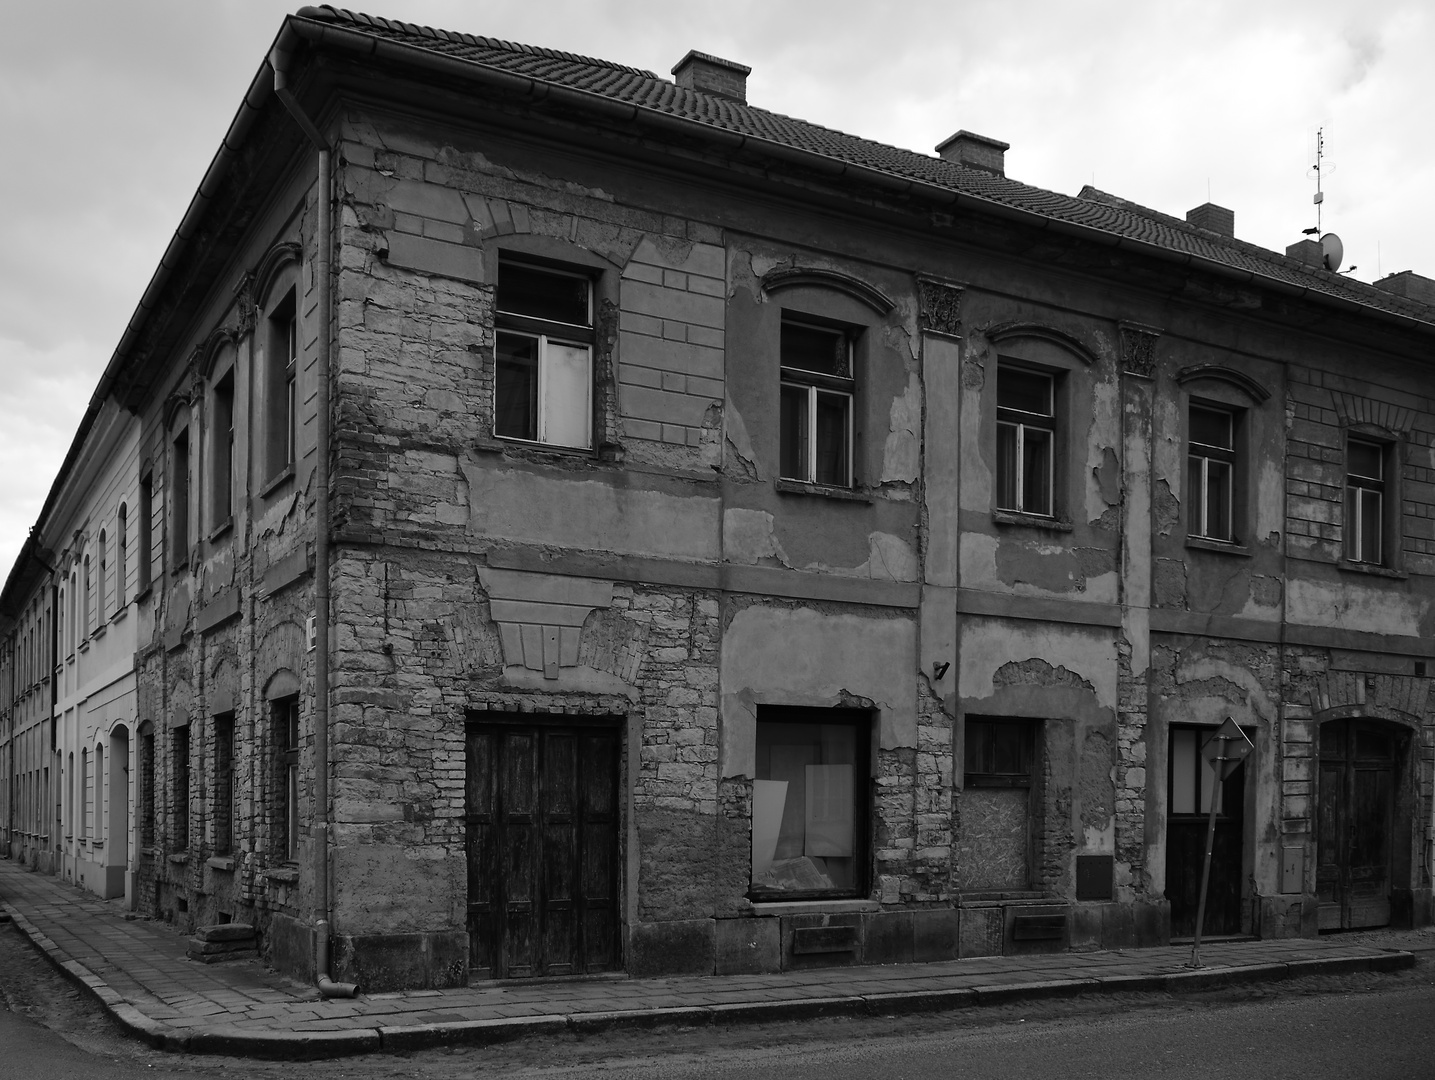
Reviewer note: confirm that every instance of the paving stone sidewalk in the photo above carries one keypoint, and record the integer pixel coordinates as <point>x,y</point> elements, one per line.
<point>139,971</point>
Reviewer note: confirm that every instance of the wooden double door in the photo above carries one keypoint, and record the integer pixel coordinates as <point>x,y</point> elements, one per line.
<point>542,845</point>
<point>1355,825</point>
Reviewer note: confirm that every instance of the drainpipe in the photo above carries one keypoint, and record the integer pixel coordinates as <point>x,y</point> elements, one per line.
<point>327,986</point>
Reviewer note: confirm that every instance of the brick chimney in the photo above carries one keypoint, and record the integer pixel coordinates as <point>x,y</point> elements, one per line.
<point>1213,218</point>
<point>975,152</point>
<point>1410,285</point>
<point>1307,251</point>
<point>712,75</point>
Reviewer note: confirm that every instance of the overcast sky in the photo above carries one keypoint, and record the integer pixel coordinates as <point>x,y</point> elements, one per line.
<point>111,111</point>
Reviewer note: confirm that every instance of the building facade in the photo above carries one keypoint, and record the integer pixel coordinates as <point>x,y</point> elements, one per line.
<point>742,546</point>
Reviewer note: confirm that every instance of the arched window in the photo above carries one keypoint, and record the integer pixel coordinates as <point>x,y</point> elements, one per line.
<point>74,631</point>
<point>99,794</point>
<point>103,582</point>
<point>86,599</point>
<point>122,560</point>
<point>84,822</point>
<point>60,625</point>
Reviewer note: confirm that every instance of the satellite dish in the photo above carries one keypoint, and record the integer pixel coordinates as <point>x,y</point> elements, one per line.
<point>1332,251</point>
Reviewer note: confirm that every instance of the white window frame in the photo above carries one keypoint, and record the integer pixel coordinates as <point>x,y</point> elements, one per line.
<point>1206,453</point>
<point>1012,420</point>
<point>1374,487</point>
<point>514,324</point>
<point>817,384</point>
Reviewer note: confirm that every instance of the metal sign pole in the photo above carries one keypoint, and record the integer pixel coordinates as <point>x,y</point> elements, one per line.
<point>1206,865</point>
<point>1224,758</point>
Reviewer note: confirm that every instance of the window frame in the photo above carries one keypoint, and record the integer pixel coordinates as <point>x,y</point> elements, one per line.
<point>286,729</point>
<point>862,724</point>
<point>1383,487</point>
<point>815,385</point>
<point>545,333</point>
<point>122,560</point>
<point>226,778</point>
<point>1206,453</point>
<point>179,795</point>
<point>1021,421</point>
<point>223,463</point>
<point>180,453</point>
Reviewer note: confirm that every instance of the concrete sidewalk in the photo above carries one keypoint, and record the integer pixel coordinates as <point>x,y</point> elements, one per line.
<point>139,971</point>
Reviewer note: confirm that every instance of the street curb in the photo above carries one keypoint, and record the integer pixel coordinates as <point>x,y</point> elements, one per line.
<point>227,1039</point>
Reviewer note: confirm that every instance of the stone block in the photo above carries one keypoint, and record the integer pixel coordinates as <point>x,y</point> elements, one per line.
<point>681,947</point>
<point>980,931</point>
<point>935,934</point>
<point>436,257</point>
<point>425,960</point>
<point>1084,928</point>
<point>816,941</point>
<point>748,946</point>
<point>290,947</point>
<point>887,937</point>
<point>226,932</point>
<point>1153,923</point>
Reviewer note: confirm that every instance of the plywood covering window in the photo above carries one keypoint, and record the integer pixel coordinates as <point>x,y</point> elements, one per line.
<point>994,849</point>
<point>809,834</point>
<point>1026,437</point>
<point>817,390</point>
<point>543,371</point>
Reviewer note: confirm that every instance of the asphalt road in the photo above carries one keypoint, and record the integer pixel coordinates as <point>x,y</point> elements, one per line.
<point>1362,1026</point>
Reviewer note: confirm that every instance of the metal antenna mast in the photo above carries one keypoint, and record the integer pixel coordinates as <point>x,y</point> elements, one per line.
<point>1319,155</point>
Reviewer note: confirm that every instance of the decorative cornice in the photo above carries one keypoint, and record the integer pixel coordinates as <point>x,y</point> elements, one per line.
<point>540,617</point>
<point>820,278</point>
<point>1239,379</point>
<point>940,305</point>
<point>1059,338</point>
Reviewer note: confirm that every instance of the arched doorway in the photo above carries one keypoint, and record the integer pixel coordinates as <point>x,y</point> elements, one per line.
<point>1362,824</point>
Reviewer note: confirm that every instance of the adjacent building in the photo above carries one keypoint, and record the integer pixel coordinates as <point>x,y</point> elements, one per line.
<point>728,545</point>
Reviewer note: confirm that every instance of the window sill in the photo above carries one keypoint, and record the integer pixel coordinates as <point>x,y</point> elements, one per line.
<point>179,568</point>
<point>1030,521</point>
<point>982,897</point>
<point>499,444</point>
<point>144,592</point>
<point>822,491</point>
<point>120,613</point>
<point>222,528</point>
<point>811,907</point>
<point>1221,547</point>
<point>284,875</point>
<point>277,481</point>
<point>84,646</point>
<point>220,862</point>
<point>1372,570</point>
<point>99,631</point>
<point>179,858</point>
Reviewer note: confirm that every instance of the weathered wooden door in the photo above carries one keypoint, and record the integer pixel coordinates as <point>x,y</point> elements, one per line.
<point>1355,818</point>
<point>542,814</point>
<point>1191,786</point>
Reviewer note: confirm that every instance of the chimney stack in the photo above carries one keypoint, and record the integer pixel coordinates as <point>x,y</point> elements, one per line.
<point>1307,251</point>
<point>712,75</point>
<point>1213,218</point>
<point>1410,285</point>
<point>975,152</point>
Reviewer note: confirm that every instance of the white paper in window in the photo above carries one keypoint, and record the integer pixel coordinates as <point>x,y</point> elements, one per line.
<point>768,799</point>
<point>829,811</point>
<point>567,394</point>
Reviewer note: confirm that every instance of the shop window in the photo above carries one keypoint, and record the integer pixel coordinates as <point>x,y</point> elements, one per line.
<point>809,817</point>
<point>1211,473</point>
<point>543,371</point>
<point>1367,467</point>
<point>994,849</point>
<point>286,777</point>
<point>816,403</point>
<point>179,809</point>
<point>1026,438</point>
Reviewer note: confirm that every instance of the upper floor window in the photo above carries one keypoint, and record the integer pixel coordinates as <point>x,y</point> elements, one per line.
<point>104,578</point>
<point>122,556</point>
<point>179,496</point>
<point>222,464</point>
<point>146,515</point>
<point>816,403</point>
<point>1210,473</point>
<point>1026,436</point>
<point>543,369</point>
<point>281,388</point>
<point>85,598</point>
<point>1366,466</point>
